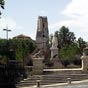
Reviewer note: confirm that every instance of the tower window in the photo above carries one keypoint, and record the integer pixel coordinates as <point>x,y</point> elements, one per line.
<point>43,35</point>
<point>43,25</point>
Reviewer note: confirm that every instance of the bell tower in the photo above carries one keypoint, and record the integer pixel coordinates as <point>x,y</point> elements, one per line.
<point>42,35</point>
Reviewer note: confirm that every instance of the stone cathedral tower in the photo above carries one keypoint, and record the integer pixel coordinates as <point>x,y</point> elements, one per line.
<point>42,36</point>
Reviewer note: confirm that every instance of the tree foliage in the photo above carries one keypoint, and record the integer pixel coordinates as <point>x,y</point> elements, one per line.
<point>2,3</point>
<point>65,36</point>
<point>69,52</point>
<point>81,43</point>
<point>22,48</point>
<point>70,49</point>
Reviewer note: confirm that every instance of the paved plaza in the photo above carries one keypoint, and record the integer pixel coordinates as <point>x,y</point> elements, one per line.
<point>65,86</point>
<point>75,84</point>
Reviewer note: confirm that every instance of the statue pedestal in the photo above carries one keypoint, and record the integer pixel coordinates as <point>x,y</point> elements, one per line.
<point>55,59</point>
<point>54,52</point>
<point>85,60</point>
<point>57,63</point>
<point>37,68</point>
<point>84,63</point>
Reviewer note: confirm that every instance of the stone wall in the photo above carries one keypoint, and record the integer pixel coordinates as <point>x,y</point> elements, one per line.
<point>37,68</point>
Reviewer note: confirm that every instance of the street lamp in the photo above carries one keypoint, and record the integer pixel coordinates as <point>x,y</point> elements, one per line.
<point>9,73</point>
<point>7,30</point>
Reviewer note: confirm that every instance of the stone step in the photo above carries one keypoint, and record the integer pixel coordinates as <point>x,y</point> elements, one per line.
<point>52,79</point>
<point>62,71</point>
<point>58,78</point>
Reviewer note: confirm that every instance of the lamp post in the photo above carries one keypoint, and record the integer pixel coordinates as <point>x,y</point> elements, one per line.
<point>7,30</point>
<point>10,73</point>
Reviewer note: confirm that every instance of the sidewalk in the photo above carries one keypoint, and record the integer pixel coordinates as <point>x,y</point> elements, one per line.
<point>63,85</point>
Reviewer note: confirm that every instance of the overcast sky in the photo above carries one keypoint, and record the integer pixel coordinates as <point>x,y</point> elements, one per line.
<point>21,16</point>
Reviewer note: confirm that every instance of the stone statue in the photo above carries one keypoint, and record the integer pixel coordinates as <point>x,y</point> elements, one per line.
<point>54,42</point>
<point>85,51</point>
<point>54,48</point>
<point>55,54</point>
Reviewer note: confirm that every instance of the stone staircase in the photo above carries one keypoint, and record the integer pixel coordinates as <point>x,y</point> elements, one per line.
<point>51,79</point>
<point>63,71</point>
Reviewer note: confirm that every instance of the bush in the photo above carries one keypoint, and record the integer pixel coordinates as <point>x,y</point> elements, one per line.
<point>65,63</point>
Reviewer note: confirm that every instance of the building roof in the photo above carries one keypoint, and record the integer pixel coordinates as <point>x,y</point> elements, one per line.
<point>21,36</point>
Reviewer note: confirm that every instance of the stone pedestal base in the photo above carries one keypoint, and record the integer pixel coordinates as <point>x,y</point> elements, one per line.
<point>84,63</point>
<point>57,65</point>
<point>37,68</point>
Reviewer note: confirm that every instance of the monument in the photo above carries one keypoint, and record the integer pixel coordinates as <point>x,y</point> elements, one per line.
<point>40,55</point>
<point>42,37</point>
<point>54,53</point>
<point>85,60</point>
<point>54,48</point>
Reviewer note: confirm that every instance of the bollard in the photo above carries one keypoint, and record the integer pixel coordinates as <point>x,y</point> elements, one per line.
<point>38,83</point>
<point>69,80</point>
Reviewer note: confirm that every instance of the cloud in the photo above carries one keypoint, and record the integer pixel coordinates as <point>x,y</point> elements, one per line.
<point>42,13</point>
<point>11,24</point>
<point>76,13</point>
<point>76,8</point>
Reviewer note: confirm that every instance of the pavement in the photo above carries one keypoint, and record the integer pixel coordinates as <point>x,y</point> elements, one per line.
<point>74,84</point>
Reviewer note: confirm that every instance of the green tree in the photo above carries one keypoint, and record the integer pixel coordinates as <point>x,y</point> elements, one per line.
<point>69,51</point>
<point>56,34</point>
<point>22,48</point>
<point>81,44</point>
<point>67,54</point>
<point>2,2</point>
<point>66,37</point>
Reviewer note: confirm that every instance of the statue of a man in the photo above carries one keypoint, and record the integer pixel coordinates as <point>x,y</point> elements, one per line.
<point>54,42</point>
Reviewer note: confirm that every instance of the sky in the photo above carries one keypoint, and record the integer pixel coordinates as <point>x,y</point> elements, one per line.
<point>21,16</point>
